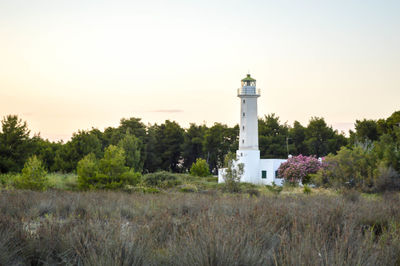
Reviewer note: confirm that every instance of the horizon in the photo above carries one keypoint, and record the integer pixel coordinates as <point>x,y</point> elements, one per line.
<point>76,65</point>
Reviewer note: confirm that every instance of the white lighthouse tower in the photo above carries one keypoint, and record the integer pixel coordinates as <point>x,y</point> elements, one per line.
<point>256,170</point>
<point>248,152</point>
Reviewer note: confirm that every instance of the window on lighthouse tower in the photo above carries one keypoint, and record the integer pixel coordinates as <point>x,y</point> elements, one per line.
<point>243,113</point>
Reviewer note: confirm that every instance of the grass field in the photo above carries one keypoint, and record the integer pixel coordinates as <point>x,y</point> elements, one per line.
<point>204,228</point>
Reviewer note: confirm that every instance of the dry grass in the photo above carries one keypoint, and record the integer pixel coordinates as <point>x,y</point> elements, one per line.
<point>114,228</point>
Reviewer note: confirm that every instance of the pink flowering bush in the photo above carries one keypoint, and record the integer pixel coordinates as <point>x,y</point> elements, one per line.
<point>298,168</point>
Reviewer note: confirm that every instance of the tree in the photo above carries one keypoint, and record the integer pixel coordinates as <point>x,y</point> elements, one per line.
<point>132,147</point>
<point>272,137</point>
<point>393,121</point>
<point>217,143</point>
<point>297,136</point>
<point>111,136</point>
<point>169,138</point>
<point>33,175</point>
<point>366,130</point>
<point>46,151</point>
<point>321,139</point>
<point>193,144</point>
<point>134,126</point>
<point>107,173</point>
<point>15,144</point>
<point>152,162</point>
<point>351,168</point>
<point>387,150</point>
<point>233,172</point>
<point>200,168</point>
<point>80,145</point>
<point>112,165</point>
<point>87,170</point>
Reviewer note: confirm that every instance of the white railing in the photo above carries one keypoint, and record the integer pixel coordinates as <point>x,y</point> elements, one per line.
<point>248,91</point>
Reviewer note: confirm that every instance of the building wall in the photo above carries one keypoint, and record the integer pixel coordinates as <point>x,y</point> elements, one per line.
<point>254,167</point>
<point>271,166</point>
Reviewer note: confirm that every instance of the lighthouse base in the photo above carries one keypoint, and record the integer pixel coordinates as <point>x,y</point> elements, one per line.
<point>256,171</point>
<point>251,161</point>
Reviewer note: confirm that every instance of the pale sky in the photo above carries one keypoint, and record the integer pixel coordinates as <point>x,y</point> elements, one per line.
<point>69,65</point>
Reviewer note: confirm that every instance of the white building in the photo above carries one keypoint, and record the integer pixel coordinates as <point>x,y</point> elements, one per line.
<point>256,170</point>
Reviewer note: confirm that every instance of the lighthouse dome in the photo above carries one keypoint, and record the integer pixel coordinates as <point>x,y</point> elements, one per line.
<point>248,81</point>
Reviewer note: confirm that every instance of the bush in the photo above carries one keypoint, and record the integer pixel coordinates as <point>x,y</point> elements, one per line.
<point>274,188</point>
<point>233,173</point>
<point>87,170</point>
<point>387,179</point>
<point>161,179</point>
<point>108,173</point>
<point>352,169</point>
<point>188,188</point>
<point>8,180</point>
<point>306,189</point>
<point>200,168</point>
<point>33,175</point>
<point>63,181</point>
<point>298,169</point>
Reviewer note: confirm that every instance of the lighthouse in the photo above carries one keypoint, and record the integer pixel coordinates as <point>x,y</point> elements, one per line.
<point>248,152</point>
<point>256,170</point>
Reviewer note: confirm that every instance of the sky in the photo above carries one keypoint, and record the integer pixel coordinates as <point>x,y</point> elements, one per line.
<point>73,65</point>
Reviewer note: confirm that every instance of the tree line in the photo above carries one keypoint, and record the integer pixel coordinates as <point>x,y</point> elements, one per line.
<point>170,147</point>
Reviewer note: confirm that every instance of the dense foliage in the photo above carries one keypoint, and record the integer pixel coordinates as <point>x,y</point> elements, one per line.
<point>166,146</point>
<point>200,168</point>
<point>161,179</point>
<point>371,163</point>
<point>107,173</point>
<point>33,175</point>
<point>373,148</point>
<point>15,144</point>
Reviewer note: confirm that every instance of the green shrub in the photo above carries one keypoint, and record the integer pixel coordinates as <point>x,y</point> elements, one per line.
<point>274,188</point>
<point>233,173</point>
<point>87,170</point>
<point>108,173</point>
<point>150,190</point>
<point>63,181</point>
<point>8,180</point>
<point>161,179</point>
<point>386,179</point>
<point>33,175</point>
<point>200,168</point>
<point>188,188</point>
<point>306,189</point>
<point>348,169</point>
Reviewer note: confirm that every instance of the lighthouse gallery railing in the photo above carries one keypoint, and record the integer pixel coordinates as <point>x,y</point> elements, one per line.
<point>248,91</point>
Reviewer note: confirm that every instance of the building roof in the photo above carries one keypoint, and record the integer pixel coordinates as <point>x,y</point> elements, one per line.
<point>248,78</point>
